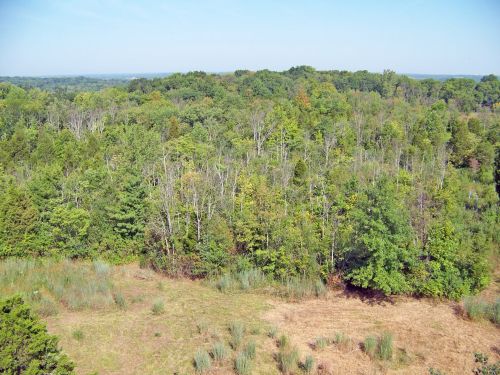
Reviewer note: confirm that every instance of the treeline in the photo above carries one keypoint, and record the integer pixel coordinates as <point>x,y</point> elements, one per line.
<point>64,85</point>
<point>385,181</point>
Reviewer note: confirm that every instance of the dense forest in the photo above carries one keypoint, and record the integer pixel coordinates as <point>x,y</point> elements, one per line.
<point>383,181</point>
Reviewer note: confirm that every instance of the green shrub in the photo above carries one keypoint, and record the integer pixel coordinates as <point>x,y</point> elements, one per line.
<point>308,364</point>
<point>370,346</point>
<point>202,362</point>
<point>237,330</point>
<point>219,351</point>
<point>243,364</point>
<point>25,345</point>
<point>158,307</point>
<point>78,334</point>
<point>249,349</point>
<point>385,346</point>
<point>484,367</point>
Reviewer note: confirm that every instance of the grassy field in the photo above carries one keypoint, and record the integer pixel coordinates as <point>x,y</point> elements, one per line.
<point>127,320</point>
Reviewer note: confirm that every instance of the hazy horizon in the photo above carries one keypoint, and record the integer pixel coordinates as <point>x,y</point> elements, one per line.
<point>76,37</point>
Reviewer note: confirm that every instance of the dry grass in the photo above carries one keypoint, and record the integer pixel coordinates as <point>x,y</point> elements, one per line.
<point>426,333</point>
<point>135,341</point>
<point>197,316</point>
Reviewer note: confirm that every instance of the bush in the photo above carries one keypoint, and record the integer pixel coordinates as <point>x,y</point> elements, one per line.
<point>249,349</point>
<point>219,351</point>
<point>202,362</point>
<point>243,364</point>
<point>484,367</point>
<point>158,307</point>
<point>25,345</point>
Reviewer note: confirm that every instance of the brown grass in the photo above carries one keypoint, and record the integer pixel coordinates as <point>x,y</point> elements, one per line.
<point>426,333</point>
<point>134,341</point>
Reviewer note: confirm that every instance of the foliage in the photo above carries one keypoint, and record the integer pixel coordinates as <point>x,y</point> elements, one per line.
<point>382,180</point>
<point>25,345</point>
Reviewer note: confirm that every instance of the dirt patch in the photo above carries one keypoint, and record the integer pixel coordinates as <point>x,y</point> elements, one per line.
<point>426,333</point>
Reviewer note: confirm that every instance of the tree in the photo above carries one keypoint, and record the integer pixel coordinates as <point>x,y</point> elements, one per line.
<point>25,346</point>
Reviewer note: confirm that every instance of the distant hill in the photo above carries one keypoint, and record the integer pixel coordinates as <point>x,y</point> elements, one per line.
<point>443,77</point>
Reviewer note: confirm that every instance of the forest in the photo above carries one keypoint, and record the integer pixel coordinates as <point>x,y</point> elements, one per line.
<point>382,181</point>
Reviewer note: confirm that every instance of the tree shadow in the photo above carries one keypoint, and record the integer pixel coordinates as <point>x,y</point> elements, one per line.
<point>370,297</point>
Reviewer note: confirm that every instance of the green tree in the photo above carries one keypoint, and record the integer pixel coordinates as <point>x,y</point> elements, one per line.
<point>25,346</point>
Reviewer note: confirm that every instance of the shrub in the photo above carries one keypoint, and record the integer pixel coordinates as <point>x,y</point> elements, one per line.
<point>249,349</point>
<point>78,335</point>
<point>224,283</point>
<point>484,367</point>
<point>237,331</point>
<point>202,362</point>
<point>25,345</point>
<point>370,346</point>
<point>308,364</point>
<point>385,346</point>
<point>219,351</point>
<point>158,307</point>
<point>243,364</point>
<point>321,343</point>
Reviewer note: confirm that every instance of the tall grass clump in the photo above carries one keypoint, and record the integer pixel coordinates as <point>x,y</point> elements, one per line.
<point>385,346</point>
<point>273,332</point>
<point>242,280</point>
<point>370,346</point>
<point>237,330</point>
<point>158,307</point>
<point>243,364</point>
<point>308,364</point>
<point>202,362</point>
<point>250,349</point>
<point>219,351</point>
<point>342,341</point>
<point>478,309</point>
<point>288,359</point>
<point>283,341</point>
<point>120,300</point>
<point>321,343</point>
<point>46,283</point>
<point>297,288</point>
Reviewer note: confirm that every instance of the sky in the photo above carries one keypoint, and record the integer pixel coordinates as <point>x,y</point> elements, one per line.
<point>60,37</point>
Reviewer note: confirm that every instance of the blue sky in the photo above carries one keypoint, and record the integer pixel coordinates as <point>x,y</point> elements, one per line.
<point>50,37</point>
